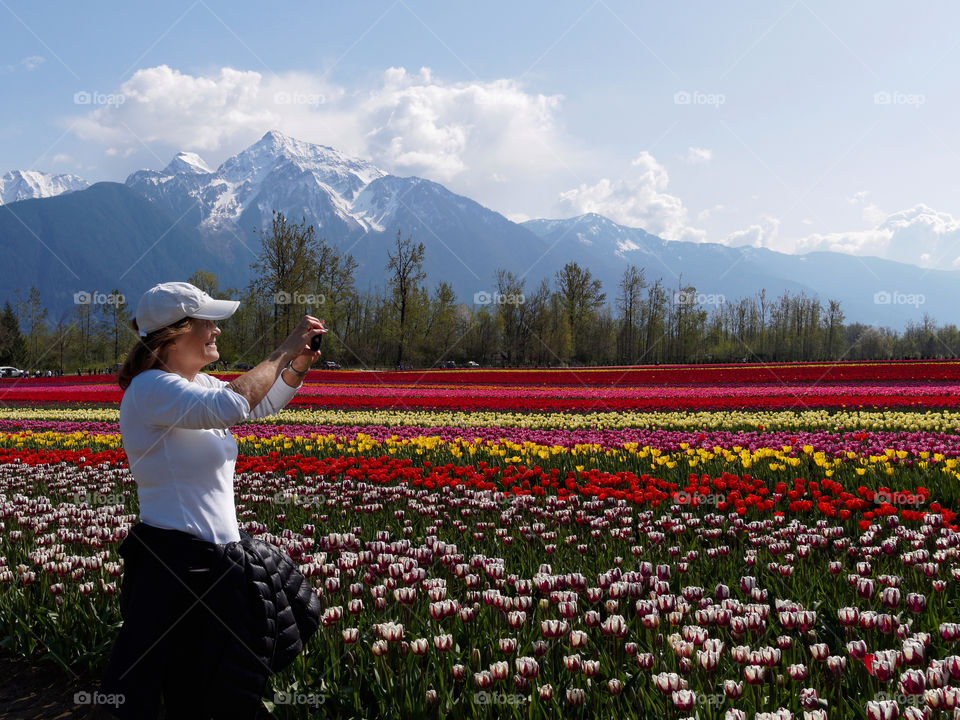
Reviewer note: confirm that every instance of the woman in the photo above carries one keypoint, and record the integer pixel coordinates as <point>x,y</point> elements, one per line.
<point>187,580</point>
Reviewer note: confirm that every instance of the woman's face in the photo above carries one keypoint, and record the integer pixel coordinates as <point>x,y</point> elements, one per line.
<point>192,351</point>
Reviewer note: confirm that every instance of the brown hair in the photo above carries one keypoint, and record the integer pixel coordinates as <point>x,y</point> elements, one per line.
<point>150,351</point>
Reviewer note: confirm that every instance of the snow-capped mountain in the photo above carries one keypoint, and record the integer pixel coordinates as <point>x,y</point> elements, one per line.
<point>349,201</point>
<point>19,185</point>
<point>278,172</point>
<point>596,232</point>
<point>360,208</point>
<point>187,163</point>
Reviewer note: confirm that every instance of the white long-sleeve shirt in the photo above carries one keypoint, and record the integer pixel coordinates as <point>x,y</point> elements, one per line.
<point>181,453</point>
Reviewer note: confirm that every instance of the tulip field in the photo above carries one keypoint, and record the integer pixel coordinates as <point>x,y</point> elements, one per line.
<point>745,541</point>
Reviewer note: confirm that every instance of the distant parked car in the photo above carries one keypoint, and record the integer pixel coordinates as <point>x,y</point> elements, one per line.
<point>10,372</point>
<point>472,364</point>
<point>242,366</point>
<point>448,365</point>
<point>330,365</point>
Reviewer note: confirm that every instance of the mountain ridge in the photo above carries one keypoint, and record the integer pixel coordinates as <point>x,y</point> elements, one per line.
<point>359,208</point>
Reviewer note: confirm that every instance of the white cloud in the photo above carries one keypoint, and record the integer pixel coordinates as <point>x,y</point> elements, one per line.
<point>917,236</point>
<point>706,213</point>
<point>28,64</point>
<point>859,242</point>
<point>857,197</point>
<point>637,201</point>
<point>697,156</point>
<point>873,215</point>
<point>764,235</point>
<point>438,130</point>
<point>120,151</point>
<point>164,106</point>
<point>32,63</point>
<point>409,124</point>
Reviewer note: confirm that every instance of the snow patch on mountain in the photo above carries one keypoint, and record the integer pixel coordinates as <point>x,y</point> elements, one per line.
<point>377,204</point>
<point>19,185</point>
<point>187,163</point>
<point>278,172</point>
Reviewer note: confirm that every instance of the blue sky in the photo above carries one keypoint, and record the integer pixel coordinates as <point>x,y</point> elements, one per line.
<point>793,125</point>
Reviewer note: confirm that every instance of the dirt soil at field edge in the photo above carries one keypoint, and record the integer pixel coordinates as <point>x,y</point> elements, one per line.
<point>34,691</point>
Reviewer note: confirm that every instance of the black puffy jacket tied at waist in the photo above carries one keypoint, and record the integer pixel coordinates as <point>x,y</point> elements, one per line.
<point>267,608</point>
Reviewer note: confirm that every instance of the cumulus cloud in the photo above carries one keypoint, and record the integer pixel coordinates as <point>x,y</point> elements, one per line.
<point>640,200</point>
<point>422,126</point>
<point>162,105</point>
<point>762,235</point>
<point>873,215</point>
<point>857,197</point>
<point>408,123</point>
<point>918,236</point>
<point>697,156</point>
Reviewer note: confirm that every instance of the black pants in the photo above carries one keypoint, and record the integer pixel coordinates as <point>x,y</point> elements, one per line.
<point>171,641</point>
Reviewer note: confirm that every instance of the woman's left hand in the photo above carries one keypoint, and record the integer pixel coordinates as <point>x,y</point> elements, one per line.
<point>311,324</point>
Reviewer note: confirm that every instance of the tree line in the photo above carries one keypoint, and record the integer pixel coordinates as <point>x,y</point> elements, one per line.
<point>571,320</point>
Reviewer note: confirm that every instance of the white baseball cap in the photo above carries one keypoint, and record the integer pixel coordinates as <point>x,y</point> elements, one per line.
<point>167,303</point>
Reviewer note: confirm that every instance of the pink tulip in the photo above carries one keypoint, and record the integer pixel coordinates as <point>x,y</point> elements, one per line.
<point>912,682</point>
<point>882,710</point>
<point>667,682</point>
<point>684,699</point>
<point>809,699</point>
<point>797,672</point>
<point>483,680</point>
<point>527,667</point>
<point>732,689</point>
<point>419,647</point>
<point>572,662</point>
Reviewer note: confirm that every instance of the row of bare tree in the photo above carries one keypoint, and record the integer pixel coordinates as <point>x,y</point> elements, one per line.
<point>568,321</point>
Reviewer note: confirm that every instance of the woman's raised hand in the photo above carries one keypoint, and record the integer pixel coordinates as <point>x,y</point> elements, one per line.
<point>298,342</point>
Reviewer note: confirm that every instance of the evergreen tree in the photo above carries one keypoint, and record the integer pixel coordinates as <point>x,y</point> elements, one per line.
<point>13,349</point>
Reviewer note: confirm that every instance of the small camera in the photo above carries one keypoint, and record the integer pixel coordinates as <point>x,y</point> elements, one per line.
<point>316,341</point>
